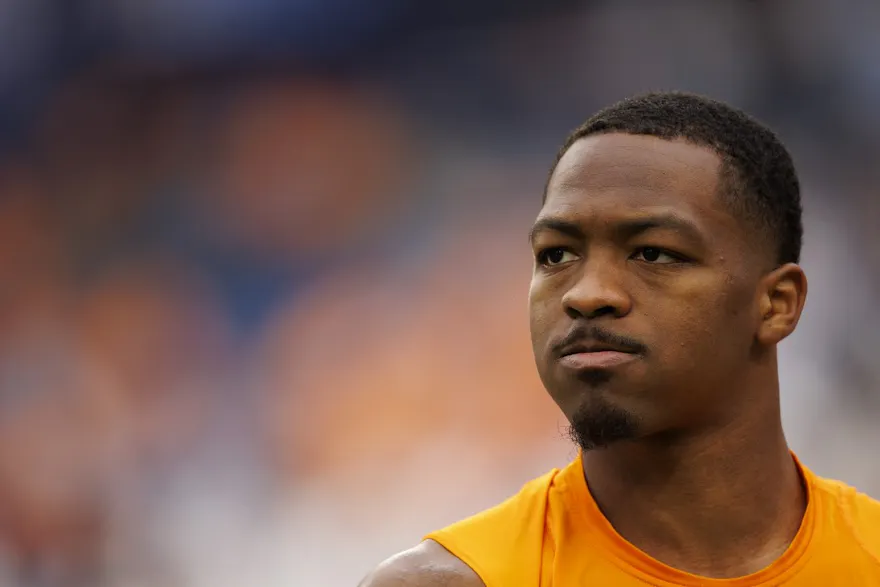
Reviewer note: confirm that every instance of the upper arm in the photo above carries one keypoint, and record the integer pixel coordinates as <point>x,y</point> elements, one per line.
<point>426,565</point>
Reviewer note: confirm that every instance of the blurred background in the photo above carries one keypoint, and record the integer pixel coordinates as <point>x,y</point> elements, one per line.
<point>263,264</point>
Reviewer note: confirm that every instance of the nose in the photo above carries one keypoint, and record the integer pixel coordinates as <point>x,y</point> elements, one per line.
<point>599,292</point>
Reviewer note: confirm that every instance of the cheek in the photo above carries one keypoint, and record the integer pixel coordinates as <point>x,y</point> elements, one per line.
<point>538,305</point>
<point>736,308</point>
<point>707,326</point>
<point>539,322</point>
<point>544,310</point>
<point>692,318</point>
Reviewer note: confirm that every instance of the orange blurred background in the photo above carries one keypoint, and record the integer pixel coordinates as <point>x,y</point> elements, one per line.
<point>263,266</point>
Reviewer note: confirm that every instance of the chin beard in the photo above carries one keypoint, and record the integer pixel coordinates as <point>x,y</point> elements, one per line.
<point>599,424</point>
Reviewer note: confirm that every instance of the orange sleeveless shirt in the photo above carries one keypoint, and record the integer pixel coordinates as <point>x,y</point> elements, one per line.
<point>552,534</point>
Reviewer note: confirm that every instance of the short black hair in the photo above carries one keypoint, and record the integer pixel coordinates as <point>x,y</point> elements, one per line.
<point>758,177</point>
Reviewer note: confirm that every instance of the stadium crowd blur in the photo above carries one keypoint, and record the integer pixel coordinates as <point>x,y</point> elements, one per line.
<point>263,265</point>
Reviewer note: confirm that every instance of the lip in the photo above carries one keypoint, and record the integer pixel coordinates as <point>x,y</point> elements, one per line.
<point>598,359</point>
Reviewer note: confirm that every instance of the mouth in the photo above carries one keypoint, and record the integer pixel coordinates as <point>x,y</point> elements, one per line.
<point>596,355</point>
<point>596,359</point>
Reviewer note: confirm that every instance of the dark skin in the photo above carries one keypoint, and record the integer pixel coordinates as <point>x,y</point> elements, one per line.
<point>637,251</point>
<point>426,565</point>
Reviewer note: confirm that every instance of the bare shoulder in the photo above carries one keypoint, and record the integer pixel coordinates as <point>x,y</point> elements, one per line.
<point>426,565</point>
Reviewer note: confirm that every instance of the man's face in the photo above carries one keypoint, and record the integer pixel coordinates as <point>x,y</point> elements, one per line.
<point>643,297</point>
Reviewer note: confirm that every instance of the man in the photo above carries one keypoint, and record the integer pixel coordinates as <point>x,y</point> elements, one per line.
<point>665,275</point>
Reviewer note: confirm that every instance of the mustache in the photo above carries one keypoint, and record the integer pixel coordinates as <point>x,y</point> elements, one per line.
<point>592,333</point>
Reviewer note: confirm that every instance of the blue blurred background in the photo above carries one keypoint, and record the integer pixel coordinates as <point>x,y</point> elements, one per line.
<point>263,265</point>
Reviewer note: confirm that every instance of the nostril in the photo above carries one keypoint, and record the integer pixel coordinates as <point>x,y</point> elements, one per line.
<point>602,311</point>
<point>598,312</point>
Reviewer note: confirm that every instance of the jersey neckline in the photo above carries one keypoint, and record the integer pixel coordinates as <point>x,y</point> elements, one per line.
<point>640,564</point>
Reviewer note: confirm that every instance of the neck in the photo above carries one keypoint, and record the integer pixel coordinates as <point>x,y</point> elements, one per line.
<point>724,502</point>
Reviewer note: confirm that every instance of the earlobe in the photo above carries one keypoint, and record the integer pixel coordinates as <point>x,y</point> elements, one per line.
<point>782,304</point>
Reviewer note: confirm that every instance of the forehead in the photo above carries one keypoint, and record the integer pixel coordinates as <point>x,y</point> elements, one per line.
<point>619,174</point>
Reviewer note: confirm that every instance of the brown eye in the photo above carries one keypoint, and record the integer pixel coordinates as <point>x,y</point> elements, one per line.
<point>651,255</point>
<point>555,256</point>
<point>655,255</point>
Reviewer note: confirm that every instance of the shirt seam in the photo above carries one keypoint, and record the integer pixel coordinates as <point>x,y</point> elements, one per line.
<point>850,524</point>
<point>445,540</point>
<point>795,568</point>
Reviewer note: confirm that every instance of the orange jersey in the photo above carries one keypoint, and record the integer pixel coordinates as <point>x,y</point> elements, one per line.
<point>552,534</point>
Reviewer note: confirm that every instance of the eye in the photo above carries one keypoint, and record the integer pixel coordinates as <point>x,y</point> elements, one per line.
<point>656,256</point>
<point>555,256</point>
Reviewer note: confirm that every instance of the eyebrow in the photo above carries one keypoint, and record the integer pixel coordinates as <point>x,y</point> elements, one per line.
<point>550,224</point>
<point>624,229</point>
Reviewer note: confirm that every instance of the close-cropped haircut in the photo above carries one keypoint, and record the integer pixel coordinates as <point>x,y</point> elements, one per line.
<point>758,179</point>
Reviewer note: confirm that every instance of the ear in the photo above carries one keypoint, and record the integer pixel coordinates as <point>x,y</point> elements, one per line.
<point>783,294</point>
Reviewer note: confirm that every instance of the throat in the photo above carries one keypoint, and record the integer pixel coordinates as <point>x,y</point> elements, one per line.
<point>705,511</point>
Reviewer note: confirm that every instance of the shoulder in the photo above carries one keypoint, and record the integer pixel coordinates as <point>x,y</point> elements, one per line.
<point>426,565</point>
<point>864,514</point>
<point>501,546</point>
<point>859,511</point>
